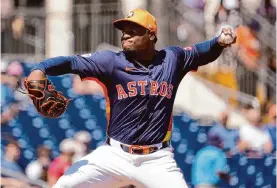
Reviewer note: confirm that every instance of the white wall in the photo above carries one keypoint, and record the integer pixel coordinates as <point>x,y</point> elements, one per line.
<point>59,38</point>
<point>128,5</point>
<point>194,97</point>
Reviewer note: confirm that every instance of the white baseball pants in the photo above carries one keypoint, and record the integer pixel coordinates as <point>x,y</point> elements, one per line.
<point>111,167</point>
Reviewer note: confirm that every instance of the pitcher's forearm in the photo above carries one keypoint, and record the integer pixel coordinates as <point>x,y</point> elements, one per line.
<point>208,51</point>
<point>55,66</point>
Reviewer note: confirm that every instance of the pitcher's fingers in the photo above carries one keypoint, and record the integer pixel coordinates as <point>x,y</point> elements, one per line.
<point>229,30</point>
<point>224,30</point>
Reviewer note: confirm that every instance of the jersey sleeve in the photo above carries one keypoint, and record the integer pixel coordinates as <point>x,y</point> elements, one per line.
<point>198,55</point>
<point>98,65</point>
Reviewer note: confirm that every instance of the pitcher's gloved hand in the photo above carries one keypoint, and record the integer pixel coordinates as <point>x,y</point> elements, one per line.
<point>47,100</point>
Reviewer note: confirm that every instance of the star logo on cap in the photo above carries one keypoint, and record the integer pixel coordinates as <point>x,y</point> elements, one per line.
<point>130,14</point>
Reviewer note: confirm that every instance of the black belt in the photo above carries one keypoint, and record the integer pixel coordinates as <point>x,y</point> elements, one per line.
<point>140,150</point>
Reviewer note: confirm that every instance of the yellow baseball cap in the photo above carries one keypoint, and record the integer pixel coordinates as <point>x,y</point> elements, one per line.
<point>140,17</point>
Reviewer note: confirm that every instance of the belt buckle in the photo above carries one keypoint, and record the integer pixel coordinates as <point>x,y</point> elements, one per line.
<point>145,149</point>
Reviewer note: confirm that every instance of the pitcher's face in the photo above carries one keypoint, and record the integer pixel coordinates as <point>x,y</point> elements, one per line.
<point>134,37</point>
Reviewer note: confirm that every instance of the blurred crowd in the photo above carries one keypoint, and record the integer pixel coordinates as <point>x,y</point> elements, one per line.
<point>254,140</point>
<point>45,167</point>
<point>11,102</point>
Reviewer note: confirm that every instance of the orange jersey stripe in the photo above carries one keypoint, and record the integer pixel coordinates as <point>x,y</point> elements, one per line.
<point>169,130</point>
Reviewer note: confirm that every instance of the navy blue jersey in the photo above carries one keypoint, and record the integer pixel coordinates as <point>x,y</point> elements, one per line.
<point>139,99</point>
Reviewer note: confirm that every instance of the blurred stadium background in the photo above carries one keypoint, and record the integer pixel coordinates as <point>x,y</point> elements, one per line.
<point>232,99</point>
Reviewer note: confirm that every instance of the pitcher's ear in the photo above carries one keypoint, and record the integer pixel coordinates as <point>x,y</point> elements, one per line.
<point>152,36</point>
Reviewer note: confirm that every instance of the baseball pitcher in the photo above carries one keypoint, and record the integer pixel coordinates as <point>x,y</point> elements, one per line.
<point>140,85</point>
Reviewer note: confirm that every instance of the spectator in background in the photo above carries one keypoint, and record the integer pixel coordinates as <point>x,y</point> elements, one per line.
<point>4,81</point>
<point>229,137</point>
<point>38,169</point>
<point>83,139</point>
<point>18,25</point>
<point>11,155</point>
<point>9,106</point>
<point>7,182</point>
<point>209,165</point>
<point>15,72</point>
<point>249,52</point>
<point>86,87</point>
<point>254,139</point>
<point>62,162</point>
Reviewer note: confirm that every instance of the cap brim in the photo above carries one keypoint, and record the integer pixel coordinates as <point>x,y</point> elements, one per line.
<point>119,24</point>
